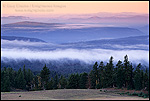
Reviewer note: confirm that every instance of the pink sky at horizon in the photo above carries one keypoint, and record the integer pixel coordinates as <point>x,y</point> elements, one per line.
<point>49,8</point>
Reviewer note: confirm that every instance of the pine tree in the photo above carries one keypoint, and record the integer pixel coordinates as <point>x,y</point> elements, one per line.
<point>115,77</point>
<point>127,71</point>
<point>119,74</point>
<point>137,78</point>
<point>105,81</point>
<point>2,80</point>
<point>5,81</point>
<point>35,81</point>
<point>6,87</point>
<point>148,85</point>
<point>94,75</point>
<point>83,80</point>
<point>25,74</point>
<point>55,84</point>
<point>92,79</point>
<point>142,78</point>
<point>77,78</point>
<point>50,85</point>
<point>21,83</point>
<point>130,74</point>
<point>29,78</point>
<point>101,74</point>
<point>63,82</point>
<point>11,74</point>
<point>145,79</point>
<point>73,81</point>
<point>109,73</point>
<point>39,82</point>
<point>45,74</point>
<point>89,81</point>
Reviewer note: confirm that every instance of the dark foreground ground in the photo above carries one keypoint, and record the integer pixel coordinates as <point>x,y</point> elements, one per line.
<point>69,94</point>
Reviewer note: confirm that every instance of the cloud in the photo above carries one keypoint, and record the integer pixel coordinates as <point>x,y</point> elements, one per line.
<point>86,55</point>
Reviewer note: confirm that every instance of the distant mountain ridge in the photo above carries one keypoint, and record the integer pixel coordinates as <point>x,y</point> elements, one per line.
<point>15,17</point>
<point>130,43</point>
<point>134,43</point>
<point>127,40</point>
<point>30,24</point>
<point>50,32</point>
<point>130,18</point>
<point>11,38</point>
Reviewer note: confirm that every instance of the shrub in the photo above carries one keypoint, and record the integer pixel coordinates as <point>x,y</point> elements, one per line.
<point>135,94</point>
<point>145,96</point>
<point>141,94</point>
<point>98,86</point>
<point>122,93</point>
<point>129,94</point>
<point>105,90</point>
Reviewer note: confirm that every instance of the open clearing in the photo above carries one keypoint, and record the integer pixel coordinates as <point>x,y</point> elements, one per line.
<point>68,94</point>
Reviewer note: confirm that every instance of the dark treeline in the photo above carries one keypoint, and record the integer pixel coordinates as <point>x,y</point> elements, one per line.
<point>121,75</point>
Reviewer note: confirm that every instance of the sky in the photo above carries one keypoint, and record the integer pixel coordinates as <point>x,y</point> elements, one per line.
<point>47,8</point>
